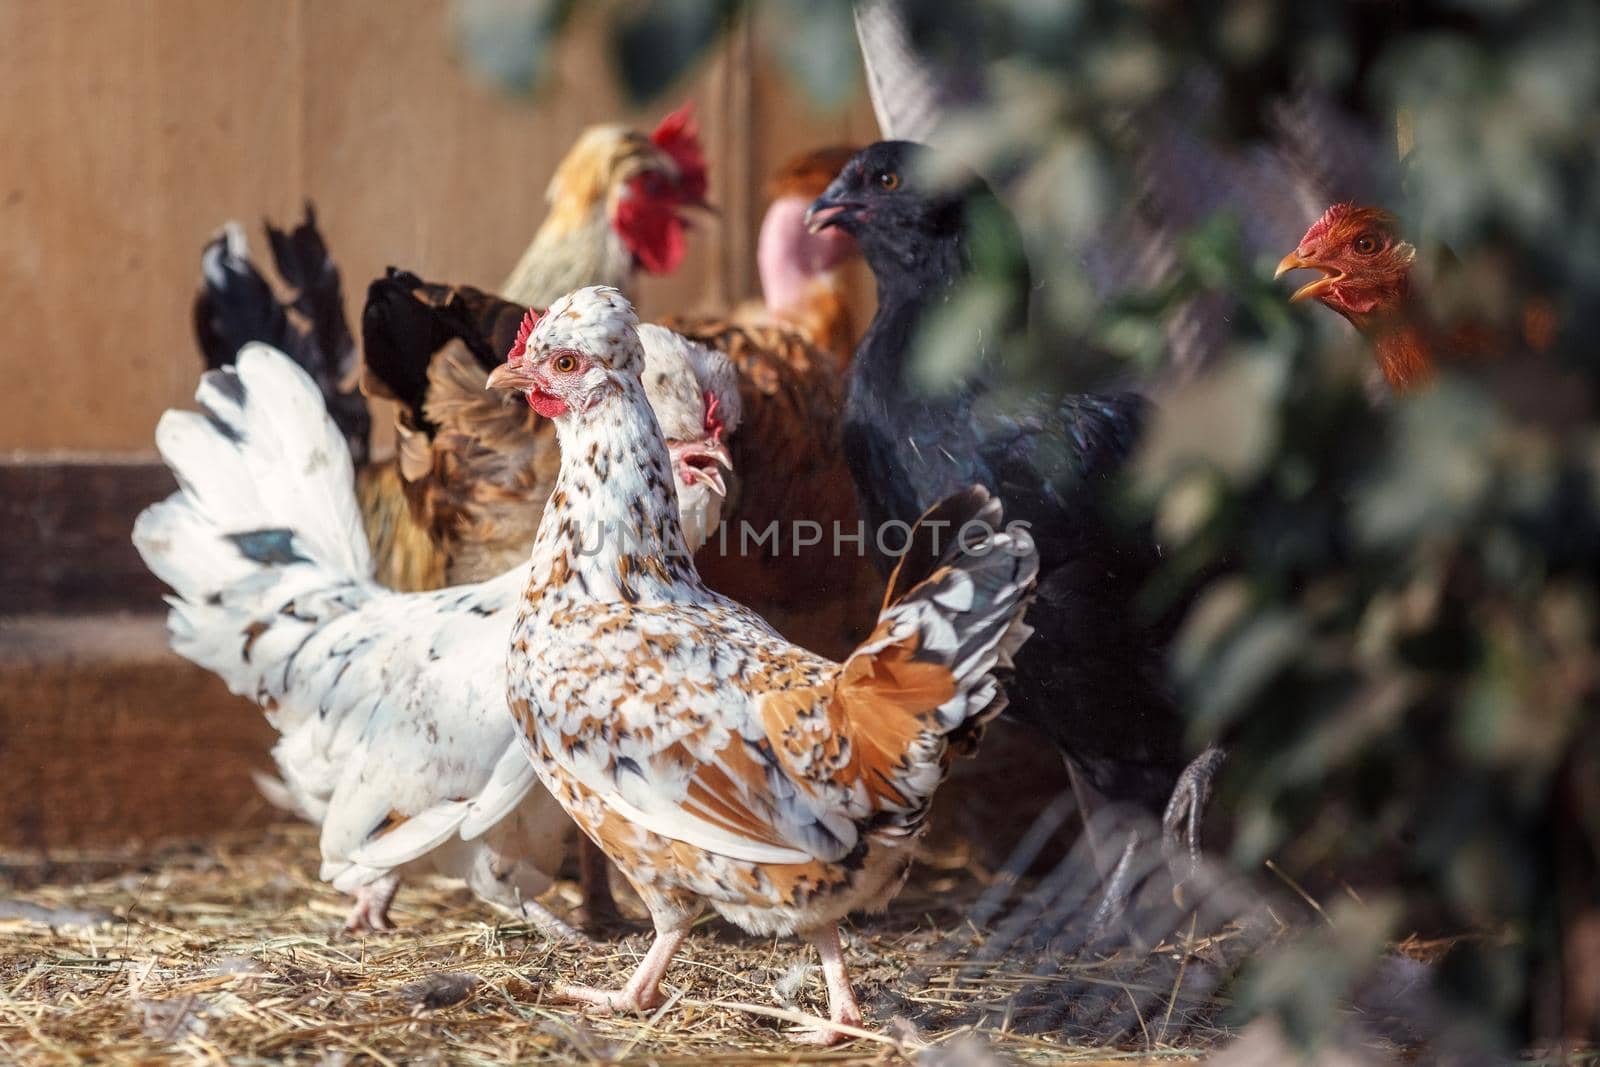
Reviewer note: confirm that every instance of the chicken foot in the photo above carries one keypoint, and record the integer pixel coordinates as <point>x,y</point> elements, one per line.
<point>371,909</point>
<point>643,990</point>
<point>1180,823</point>
<point>548,922</point>
<point>842,1007</point>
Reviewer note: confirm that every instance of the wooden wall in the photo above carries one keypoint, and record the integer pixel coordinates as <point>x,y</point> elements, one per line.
<point>130,129</point>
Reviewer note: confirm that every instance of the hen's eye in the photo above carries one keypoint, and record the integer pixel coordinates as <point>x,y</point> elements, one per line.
<point>888,179</point>
<point>1366,244</point>
<point>565,364</point>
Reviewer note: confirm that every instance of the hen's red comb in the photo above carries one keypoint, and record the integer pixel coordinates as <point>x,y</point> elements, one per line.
<point>520,348</point>
<point>679,137</point>
<point>714,424</point>
<point>1321,227</point>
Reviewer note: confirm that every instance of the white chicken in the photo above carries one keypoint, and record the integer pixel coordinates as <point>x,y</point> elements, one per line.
<point>391,706</point>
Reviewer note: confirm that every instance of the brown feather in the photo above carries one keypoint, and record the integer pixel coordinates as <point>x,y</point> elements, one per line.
<point>405,556</point>
<point>790,466</point>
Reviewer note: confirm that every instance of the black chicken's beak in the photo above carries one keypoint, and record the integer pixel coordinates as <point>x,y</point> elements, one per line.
<point>832,208</point>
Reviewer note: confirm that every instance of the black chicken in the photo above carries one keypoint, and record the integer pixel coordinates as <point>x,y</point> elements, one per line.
<point>1092,678</point>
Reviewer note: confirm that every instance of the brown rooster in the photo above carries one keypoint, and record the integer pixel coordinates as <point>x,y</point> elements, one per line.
<point>615,207</point>
<point>1370,276</point>
<point>1366,277</point>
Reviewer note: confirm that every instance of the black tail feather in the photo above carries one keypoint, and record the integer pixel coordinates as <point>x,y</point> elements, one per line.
<point>236,306</point>
<point>937,535</point>
<point>304,264</point>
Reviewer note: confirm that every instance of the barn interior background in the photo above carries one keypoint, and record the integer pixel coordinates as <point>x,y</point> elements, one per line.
<point>136,130</point>
<point>1402,649</point>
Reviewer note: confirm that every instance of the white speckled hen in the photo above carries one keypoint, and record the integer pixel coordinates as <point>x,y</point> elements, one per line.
<point>713,761</point>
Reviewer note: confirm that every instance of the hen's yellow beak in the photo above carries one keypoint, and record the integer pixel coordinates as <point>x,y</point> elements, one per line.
<point>1295,261</point>
<point>509,375</point>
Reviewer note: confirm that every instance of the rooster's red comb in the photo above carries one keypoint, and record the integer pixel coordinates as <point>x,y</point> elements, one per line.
<point>520,348</point>
<point>679,137</point>
<point>1320,228</point>
<point>1349,214</point>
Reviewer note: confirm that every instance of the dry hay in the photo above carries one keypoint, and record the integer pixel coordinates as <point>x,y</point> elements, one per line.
<point>235,952</point>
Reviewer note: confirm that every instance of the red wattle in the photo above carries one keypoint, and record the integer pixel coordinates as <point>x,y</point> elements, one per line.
<point>545,404</point>
<point>651,229</point>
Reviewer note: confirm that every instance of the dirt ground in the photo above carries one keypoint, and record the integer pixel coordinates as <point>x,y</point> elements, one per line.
<point>234,951</point>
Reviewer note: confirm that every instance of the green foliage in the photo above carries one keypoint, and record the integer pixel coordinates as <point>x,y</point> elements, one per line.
<point>816,40</point>
<point>508,41</point>
<point>655,42</point>
<point>1397,616</point>
<point>1396,622</point>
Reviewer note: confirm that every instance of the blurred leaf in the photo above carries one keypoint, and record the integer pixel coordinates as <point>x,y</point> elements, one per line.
<point>1222,421</point>
<point>817,41</point>
<point>508,41</point>
<point>943,355</point>
<point>1437,473</point>
<point>1304,982</point>
<point>656,42</point>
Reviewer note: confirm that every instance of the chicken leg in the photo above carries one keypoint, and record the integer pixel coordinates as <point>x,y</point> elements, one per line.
<point>643,990</point>
<point>512,886</point>
<point>371,909</point>
<point>1180,823</point>
<point>842,1007</point>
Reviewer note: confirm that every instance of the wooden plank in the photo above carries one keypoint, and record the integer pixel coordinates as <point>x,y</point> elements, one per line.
<point>789,123</point>
<point>414,163</point>
<point>67,527</point>
<point>131,130</point>
<point>107,738</point>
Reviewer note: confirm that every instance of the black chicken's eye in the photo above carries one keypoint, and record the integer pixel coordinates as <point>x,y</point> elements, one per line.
<point>888,179</point>
<point>566,364</point>
<point>1366,244</point>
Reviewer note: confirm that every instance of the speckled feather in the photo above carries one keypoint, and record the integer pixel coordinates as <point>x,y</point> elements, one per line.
<point>714,761</point>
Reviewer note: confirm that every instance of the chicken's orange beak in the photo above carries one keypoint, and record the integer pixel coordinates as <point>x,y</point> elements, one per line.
<point>511,375</point>
<point>1295,261</point>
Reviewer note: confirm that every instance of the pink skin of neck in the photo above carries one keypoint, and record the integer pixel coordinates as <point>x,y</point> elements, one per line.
<point>789,257</point>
